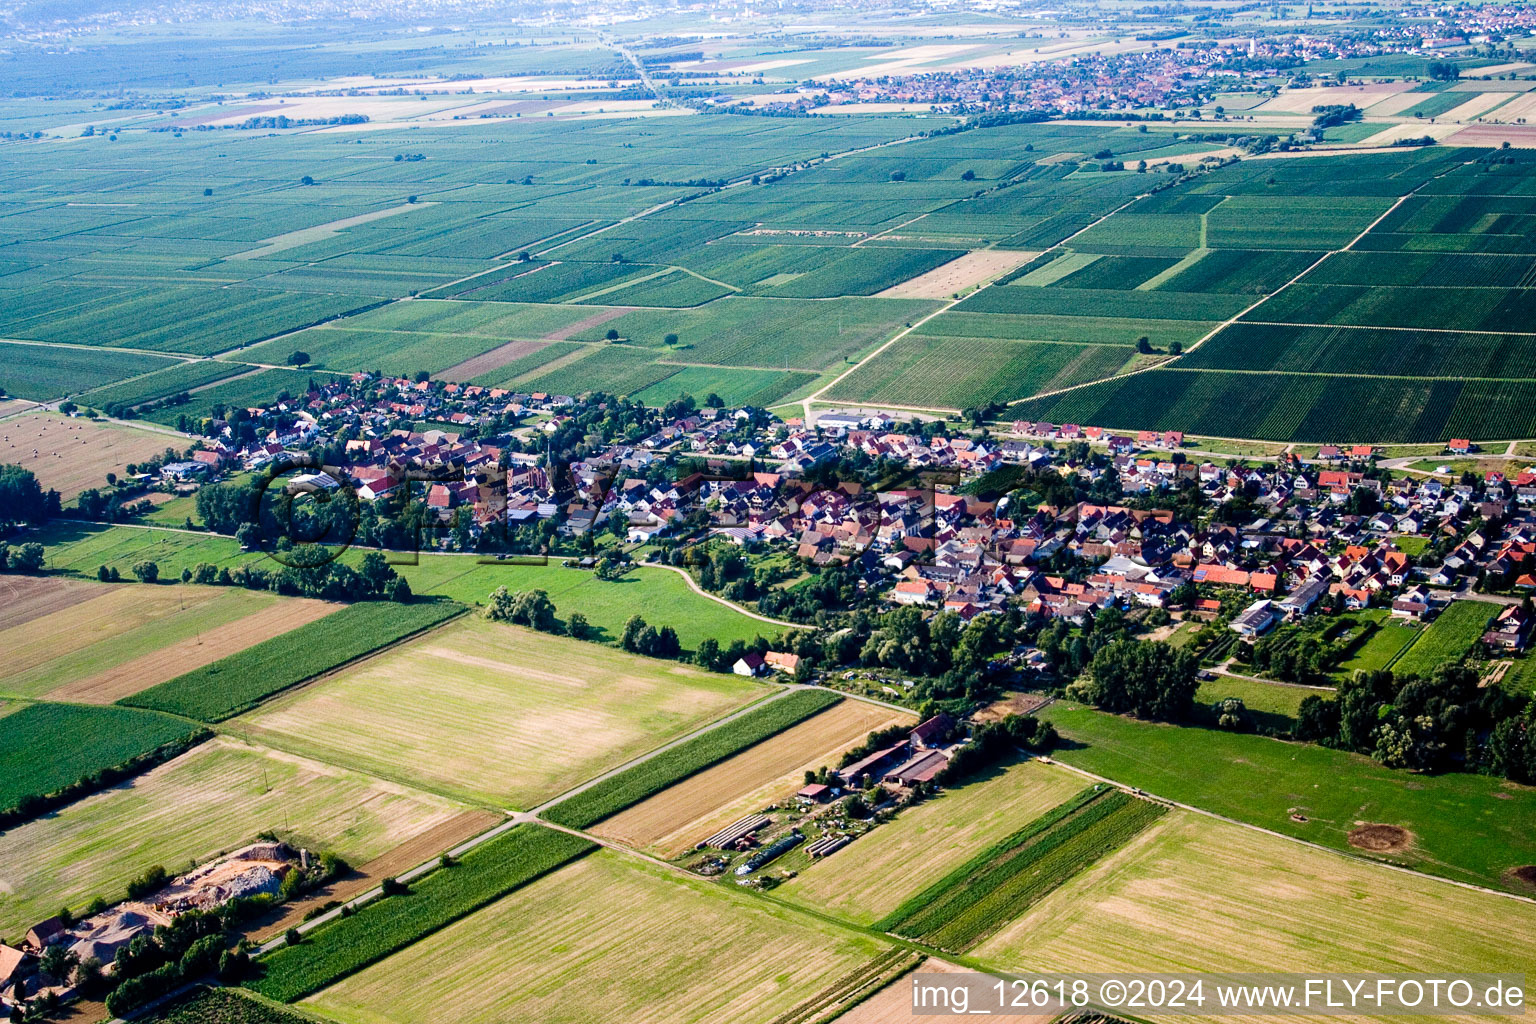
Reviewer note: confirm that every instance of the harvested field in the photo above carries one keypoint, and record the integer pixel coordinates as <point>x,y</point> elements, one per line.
<point>959,274</point>
<point>894,1002</point>
<point>670,822</point>
<point>215,797</point>
<point>926,842</point>
<point>39,652</point>
<point>489,362</point>
<point>1006,878</point>
<point>587,323</point>
<point>1491,136</point>
<point>606,940</point>
<point>168,662</point>
<point>1380,838</point>
<point>1301,101</point>
<point>496,714</point>
<point>1196,894</point>
<point>34,597</point>
<point>70,455</point>
<point>402,858</point>
<point>1013,704</point>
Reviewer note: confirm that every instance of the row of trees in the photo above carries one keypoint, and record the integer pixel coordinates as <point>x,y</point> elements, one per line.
<point>1442,721</point>
<point>1146,678</point>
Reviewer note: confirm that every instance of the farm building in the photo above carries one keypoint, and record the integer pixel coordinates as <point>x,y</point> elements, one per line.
<point>1256,618</point>
<point>873,766</point>
<point>816,793</point>
<point>750,665</point>
<point>782,662</point>
<point>15,967</point>
<point>924,767</point>
<point>932,732</point>
<point>44,934</point>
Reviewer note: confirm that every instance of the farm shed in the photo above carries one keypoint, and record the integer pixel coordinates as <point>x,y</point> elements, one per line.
<point>1256,618</point>
<point>922,768</point>
<point>872,766</point>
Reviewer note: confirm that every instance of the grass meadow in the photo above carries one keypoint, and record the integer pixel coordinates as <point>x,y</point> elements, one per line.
<point>1471,828</point>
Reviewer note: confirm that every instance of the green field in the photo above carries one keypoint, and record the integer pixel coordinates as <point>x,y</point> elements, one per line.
<point>230,685</point>
<point>224,1006</point>
<point>1387,638</point>
<point>1298,407</point>
<point>496,714</point>
<point>608,940</point>
<point>349,944</point>
<point>45,372</point>
<point>216,797</point>
<point>1272,704</point>
<point>935,372</point>
<point>1467,827</point>
<point>47,747</point>
<point>1007,878</point>
<point>1447,639</point>
<point>666,597</point>
<point>652,776</point>
<point>164,383</point>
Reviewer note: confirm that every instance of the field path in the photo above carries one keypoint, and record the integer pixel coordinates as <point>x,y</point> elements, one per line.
<point>1234,318</point>
<point>948,305</point>
<point>729,604</point>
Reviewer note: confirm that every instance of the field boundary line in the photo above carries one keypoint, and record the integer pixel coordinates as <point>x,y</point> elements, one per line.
<point>186,357</point>
<point>1293,839</point>
<point>708,727</point>
<point>948,305</point>
<point>1383,327</point>
<point>318,677</point>
<point>1240,314</point>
